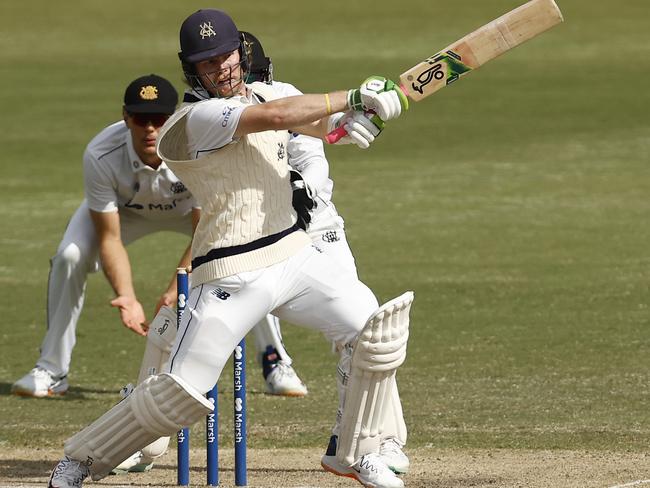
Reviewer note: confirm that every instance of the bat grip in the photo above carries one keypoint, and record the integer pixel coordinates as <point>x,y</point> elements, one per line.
<point>339,133</point>
<point>336,135</point>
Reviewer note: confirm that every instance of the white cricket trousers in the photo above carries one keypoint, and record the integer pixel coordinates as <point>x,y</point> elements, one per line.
<point>327,234</point>
<point>76,256</point>
<point>309,289</point>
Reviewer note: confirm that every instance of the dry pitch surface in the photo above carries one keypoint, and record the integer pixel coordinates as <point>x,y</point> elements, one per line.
<point>431,468</point>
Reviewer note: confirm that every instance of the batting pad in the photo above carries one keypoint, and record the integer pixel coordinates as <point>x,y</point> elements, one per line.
<point>160,338</point>
<point>394,425</point>
<point>158,407</point>
<point>370,396</point>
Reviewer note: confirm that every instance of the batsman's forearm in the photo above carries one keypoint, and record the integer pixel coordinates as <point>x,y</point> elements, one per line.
<point>311,109</point>
<point>302,113</point>
<point>334,102</point>
<point>117,267</point>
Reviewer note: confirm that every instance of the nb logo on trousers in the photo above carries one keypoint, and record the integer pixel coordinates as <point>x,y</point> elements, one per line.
<point>220,294</point>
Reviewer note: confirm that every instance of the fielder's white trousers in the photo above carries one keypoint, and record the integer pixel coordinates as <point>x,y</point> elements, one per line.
<point>309,289</point>
<point>76,256</point>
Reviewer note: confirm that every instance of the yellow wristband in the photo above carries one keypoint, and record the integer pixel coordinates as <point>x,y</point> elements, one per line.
<point>328,104</point>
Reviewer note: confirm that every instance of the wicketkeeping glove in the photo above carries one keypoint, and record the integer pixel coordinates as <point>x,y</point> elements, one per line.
<point>303,199</point>
<point>362,127</point>
<point>379,95</point>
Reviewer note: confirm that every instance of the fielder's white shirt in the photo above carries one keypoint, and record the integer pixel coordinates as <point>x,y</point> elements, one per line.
<point>116,179</point>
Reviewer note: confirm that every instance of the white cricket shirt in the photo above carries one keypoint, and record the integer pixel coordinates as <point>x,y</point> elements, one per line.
<point>116,179</point>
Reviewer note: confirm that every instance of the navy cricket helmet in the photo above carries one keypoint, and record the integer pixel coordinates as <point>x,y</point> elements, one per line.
<point>205,34</point>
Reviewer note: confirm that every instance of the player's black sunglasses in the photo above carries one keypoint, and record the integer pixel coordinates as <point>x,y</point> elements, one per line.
<point>143,120</point>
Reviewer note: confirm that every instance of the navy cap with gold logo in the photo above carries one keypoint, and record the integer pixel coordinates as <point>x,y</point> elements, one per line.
<point>150,94</point>
<point>207,33</point>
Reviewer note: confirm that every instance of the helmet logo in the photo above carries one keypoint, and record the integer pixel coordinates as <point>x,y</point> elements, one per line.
<point>206,30</point>
<point>149,92</point>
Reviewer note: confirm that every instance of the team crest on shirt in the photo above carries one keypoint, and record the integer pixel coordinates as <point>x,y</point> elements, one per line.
<point>178,187</point>
<point>149,92</point>
<point>281,151</point>
<point>331,236</point>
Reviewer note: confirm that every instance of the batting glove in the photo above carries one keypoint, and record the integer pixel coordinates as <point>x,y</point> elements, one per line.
<point>362,127</point>
<point>379,95</point>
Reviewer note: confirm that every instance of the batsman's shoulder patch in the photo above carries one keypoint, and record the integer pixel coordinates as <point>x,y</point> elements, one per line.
<point>330,236</point>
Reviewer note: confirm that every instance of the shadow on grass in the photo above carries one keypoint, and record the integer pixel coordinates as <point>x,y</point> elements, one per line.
<point>74,393</point>
<point>39,470</point>
<point>25,468</point>
<point>79,393</point>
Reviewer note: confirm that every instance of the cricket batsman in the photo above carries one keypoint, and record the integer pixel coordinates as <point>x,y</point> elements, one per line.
<point>250,258</point>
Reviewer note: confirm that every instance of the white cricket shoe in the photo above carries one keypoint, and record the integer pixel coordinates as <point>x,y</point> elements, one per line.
<point>69,473</point>
<point>391,452</point>
<point>370,470</point>
<point>40,383</point>
<point>133,464</point>
<point>283,380</point>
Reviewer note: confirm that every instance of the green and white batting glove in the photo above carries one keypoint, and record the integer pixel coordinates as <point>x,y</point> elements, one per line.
<point>379,95</point>
<point>362,127</point>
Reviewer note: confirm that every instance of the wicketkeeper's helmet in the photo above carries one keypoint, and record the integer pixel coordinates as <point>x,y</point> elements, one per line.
<point>261,67</point>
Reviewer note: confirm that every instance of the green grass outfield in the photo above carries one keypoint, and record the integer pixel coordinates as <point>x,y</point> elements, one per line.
<point>514,203</point>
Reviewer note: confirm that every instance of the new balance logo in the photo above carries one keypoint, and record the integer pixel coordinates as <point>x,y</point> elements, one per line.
<point>220,294</point>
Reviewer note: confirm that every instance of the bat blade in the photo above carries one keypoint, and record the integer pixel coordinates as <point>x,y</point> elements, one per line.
<point>477,48</point>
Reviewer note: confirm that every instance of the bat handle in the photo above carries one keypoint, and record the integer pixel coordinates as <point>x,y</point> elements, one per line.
<point>336,135</point>
<point>339,133</point>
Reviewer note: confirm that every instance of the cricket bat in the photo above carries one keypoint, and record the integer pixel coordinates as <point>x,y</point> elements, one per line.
<point>474,50</point>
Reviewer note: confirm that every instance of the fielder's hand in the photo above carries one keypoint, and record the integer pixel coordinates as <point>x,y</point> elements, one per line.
<point>303,199</point>
<point>361,128</point>
<point>379,95</point>
<point>131,313</point>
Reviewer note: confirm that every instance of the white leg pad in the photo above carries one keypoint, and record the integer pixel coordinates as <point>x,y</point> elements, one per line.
<point>379,351</point>
<point>160,338</point>
<point>394,425</point>
<point>158,407</point>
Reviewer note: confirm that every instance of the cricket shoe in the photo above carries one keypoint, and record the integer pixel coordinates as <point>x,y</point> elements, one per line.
<point>133,464</point>
<point>391,452</point>
<point>40,383</point>
<point>281,378</point>
<point>69,473</point>
<point>370,469</point>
